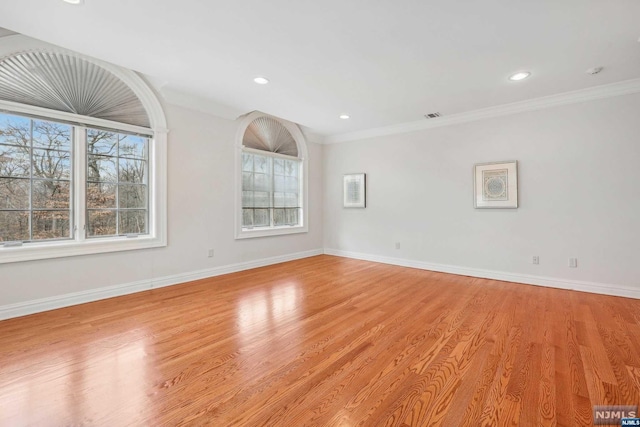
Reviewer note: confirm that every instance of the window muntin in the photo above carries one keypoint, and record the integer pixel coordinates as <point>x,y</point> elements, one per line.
<point>117,194</point>
<point>35,179</point>
<point>271,191</point>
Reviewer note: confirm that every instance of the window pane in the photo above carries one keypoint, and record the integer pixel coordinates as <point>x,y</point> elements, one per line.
<point>275,191</point>
<point>293,217</point>
<point>278,217</point>
<point>101,195</point>
<point>51,135</point>
<point>14,226</point>
<point>132,171</point>
<point>261,199</point>
<point>247,217</point>
<point>132,196</point>
<point>261,218</point>
<point>291,184</point>
<point>101,223</point>
<point>247,199</point>
<point>247,181</point>
<point>133,222</point>
<point>15,130</point>
<point>291,167</point>
<point>51,195</point>
<point>101,168</point>
<point>133,146</point>
<point>102,142</point>
<point>51,164</point>
<point>247,162</point>
<point>291,200</point>
<point>14,193</point>
<point>262,164</point>
<point>278,200</point>
<point>278,183</point>
<point>261,182</point>
<point>50,225</point>
<point>15,161</point>
<point>125,200</point>
<point>278,166</point>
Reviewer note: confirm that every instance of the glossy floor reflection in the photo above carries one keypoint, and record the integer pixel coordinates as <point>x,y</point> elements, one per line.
<point>324,341</point>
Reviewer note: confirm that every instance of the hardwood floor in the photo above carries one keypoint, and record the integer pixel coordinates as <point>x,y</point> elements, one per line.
<point>324,341</point>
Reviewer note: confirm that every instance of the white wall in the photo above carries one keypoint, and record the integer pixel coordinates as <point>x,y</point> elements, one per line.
<point>579,196</point>
<point>200,216</point>
<point>579,182</point>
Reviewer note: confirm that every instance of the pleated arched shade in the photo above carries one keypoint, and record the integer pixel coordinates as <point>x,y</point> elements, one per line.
<point>267,134</point>
<point>68,83</point>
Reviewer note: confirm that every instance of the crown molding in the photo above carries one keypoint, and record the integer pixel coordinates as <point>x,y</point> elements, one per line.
<point>598,92</point>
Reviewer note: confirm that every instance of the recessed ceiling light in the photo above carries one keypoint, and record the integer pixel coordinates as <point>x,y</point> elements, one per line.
<point>261,80</point>
<point>344,116</point>
<point>520,75</point>
<point>74,1</point>
<point>594,70</point>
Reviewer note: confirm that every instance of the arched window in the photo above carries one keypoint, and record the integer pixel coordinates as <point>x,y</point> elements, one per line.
<point>272,176</point>
<point>82,155</point>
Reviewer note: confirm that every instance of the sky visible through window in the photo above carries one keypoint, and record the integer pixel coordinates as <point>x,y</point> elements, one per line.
<point>35,179</point>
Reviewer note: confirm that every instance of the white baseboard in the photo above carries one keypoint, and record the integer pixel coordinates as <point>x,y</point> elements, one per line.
<point>592,287</point>
<point>60,301</point>
<point>52,303</point>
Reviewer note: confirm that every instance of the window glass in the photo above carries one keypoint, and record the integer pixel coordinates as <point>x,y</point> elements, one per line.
<point>117,187</point>
<point>35,179</point>
<point>270,191</point>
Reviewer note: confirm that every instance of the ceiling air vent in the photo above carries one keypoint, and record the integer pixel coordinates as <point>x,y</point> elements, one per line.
<point>432,115</point>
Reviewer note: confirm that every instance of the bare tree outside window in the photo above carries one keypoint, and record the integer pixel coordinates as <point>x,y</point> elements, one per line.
<point>35,179</point>
<point>117,187</point>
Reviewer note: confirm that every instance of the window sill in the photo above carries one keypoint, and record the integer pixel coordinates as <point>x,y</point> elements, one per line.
<point>266,232</point>
<point>60,249</point>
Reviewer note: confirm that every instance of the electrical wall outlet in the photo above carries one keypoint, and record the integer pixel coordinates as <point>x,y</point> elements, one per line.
<point>535,259</point>
<point>397,245</point>
<point>573,262</point>
<point>210,253</point>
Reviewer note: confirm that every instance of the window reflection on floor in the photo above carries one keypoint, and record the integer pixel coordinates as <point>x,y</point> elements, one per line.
<point>268,312</point>
<point>79,382</point>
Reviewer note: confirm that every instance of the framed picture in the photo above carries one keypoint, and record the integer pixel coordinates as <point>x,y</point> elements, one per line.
<point>495,185</point>
<point>355,190</point>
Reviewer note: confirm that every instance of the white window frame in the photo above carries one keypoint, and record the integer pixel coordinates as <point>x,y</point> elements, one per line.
<point>80,245</point>
<point>303,227</point>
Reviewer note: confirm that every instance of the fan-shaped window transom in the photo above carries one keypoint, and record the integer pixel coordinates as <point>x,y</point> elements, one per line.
<point>68,83</point>
<point>268,134</point>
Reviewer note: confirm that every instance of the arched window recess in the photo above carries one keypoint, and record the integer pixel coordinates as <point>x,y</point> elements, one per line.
<point>82,155</point>
<point>272,177</point>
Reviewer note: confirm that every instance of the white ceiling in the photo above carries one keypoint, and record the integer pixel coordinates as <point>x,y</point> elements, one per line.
<point>382,62</point>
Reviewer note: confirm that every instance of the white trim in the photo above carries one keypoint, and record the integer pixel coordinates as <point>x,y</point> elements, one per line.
<point>303,155</point>
<point>51,303</point>
<point>67,248</point>
<point>60,301</point>
<point>599,92</point>
<point>271,231</point>
<point>551,282</point>
<point>64,117</point>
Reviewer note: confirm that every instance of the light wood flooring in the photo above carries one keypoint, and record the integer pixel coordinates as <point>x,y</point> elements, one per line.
<point>324,341</point>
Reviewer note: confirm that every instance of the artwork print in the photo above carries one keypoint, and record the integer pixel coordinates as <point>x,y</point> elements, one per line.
<point>495,185</point>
